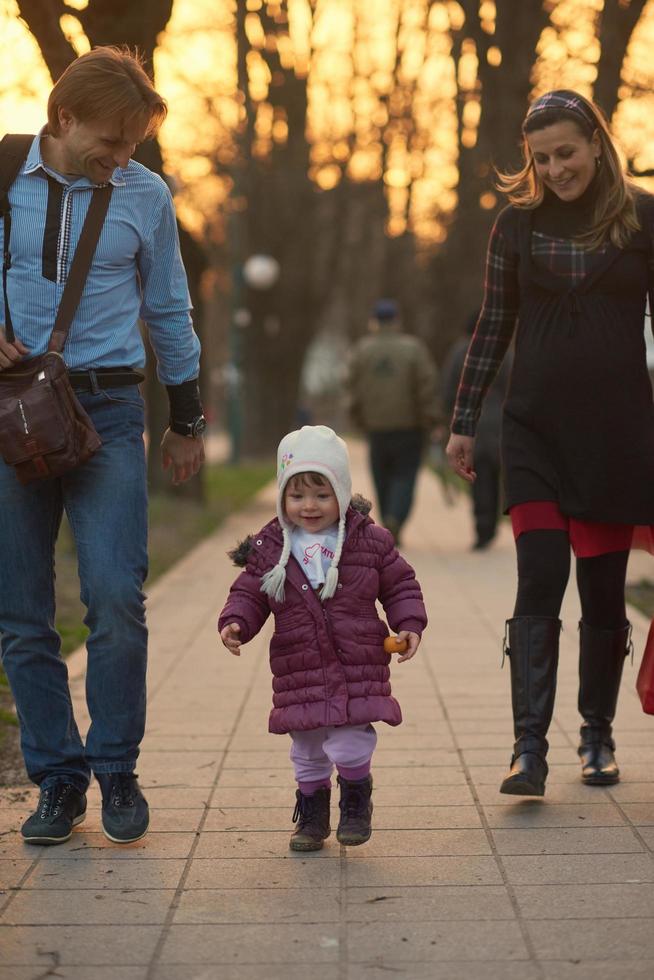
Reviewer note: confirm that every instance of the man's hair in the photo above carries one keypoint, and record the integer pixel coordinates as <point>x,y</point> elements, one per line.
<point>107,83</point>
<point>308,479</point>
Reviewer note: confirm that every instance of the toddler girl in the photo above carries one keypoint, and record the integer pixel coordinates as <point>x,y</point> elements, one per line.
<point>319,567</point>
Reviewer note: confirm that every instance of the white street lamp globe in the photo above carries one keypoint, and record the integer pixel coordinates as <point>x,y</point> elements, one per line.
<point>261,271</point>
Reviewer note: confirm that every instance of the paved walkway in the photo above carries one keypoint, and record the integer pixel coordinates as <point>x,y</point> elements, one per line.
<point>457,883</point>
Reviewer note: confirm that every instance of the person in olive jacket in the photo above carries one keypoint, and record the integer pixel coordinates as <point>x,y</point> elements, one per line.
<point>319,567</point>
<point>392,397</point>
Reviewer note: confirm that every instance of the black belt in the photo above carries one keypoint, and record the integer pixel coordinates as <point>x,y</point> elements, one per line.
<point>104,378</point>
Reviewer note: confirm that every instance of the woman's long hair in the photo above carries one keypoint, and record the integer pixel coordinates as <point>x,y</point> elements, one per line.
<point>614,214</point>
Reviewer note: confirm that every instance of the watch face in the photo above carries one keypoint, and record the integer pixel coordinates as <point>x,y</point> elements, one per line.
<point>199,426</point>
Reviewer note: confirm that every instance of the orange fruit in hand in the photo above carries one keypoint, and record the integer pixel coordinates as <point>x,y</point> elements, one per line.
<point>393,644</point>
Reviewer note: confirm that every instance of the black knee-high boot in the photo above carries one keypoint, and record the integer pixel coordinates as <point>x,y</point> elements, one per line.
<point>601,659</point>
<point>533,651</point>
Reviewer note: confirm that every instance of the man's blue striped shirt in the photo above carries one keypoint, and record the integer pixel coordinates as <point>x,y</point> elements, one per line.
<point>137,270</point>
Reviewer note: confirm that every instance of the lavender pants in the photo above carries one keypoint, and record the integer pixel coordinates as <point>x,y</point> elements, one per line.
<point>348,747</point>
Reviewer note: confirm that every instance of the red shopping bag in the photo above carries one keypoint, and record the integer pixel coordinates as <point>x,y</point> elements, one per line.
<point>645,679</point>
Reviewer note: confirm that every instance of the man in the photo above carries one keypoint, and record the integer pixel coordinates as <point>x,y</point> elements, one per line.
<point>485,491</point>
<point>392,394</point>
<point>100,109</point>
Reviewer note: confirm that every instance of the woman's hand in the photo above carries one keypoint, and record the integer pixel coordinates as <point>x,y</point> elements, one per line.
<point>459,454</point>
<point>413,641</point>
<point>229,636</point>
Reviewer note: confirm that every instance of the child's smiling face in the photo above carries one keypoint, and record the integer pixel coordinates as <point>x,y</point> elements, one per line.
<point>310,502</point>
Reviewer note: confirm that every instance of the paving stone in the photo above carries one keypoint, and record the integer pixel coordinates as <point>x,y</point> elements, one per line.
<point>105,874</point>
<point>264,944</point>
<point>640,814</point>
<point>95,846</point>
<point>592,969</point>
<point>374,872</point>
<point>440,941</point>
<point>449,970</point>
<point>193,769</point>
<point>416,843</point>
<point>565,840</point>
<point>129,906</point>
<point>633,792</point>
<point>177,796</point>
<point>554,869</point>
<point>257,905</point>
<point>647,834</point>
<point>85,972</point>
<point>598,938</point>
<point>428,904</point>
<point>155,743</point>
<point>618,901</point>
<point>535,814</point>
<point>296,871</point>
<point>12,870</point>
<point>251,844</point>
<point>52,947</point>
<point>267,971</point>
<point>165,821</point>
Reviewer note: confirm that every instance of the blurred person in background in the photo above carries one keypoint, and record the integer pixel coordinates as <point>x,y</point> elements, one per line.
<point>392,392</point>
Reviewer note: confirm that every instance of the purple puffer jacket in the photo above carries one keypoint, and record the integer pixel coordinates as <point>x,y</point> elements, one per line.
<point>328,661</point>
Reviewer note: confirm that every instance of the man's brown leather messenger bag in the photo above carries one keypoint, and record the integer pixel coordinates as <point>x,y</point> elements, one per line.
<point>44,431</point>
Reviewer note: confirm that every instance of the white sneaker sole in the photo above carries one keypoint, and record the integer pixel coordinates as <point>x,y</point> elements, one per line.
<point>132,840</point>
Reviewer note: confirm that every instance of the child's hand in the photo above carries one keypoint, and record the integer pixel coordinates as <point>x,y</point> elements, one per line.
<point>229,636</point>
<point>414,642</point>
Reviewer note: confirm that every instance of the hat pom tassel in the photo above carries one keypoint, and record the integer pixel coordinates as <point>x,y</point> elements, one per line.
<point>331,581</point>
<point>272,583</point>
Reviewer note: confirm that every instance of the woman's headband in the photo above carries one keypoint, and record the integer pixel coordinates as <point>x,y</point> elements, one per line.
<point>562,99</point>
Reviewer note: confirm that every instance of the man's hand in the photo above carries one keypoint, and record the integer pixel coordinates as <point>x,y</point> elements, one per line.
<point>459,452</point>
<point>10,354</point>
<point>229,636</point>
<point>413,641</point>
<point>184,454</point>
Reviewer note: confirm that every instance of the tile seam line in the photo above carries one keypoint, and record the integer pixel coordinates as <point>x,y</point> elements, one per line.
<point>335,888</point>
<point>526,938</point>
<point>177,661</point>
<point>635,828</point>
<point>165,928</point>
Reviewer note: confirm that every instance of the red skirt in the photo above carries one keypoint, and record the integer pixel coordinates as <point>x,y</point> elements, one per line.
<point>587,538</point>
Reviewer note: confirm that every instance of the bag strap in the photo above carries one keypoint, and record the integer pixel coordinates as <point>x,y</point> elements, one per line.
<point>14,148</point>
<point>80,266</point>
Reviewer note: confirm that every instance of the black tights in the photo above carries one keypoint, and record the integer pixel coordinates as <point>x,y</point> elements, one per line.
<point>543,572</point>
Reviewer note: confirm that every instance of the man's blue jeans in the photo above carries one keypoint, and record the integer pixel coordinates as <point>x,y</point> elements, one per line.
<point>106,504</point>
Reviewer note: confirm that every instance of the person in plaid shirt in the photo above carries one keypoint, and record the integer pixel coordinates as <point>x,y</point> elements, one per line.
<point>569,267</point>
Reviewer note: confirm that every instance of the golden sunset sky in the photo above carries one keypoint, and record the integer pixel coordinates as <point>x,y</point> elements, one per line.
<point>354,87</point>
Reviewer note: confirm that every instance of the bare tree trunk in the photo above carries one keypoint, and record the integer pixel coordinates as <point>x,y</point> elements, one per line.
<point>618,21</point>
<point>504,93</point>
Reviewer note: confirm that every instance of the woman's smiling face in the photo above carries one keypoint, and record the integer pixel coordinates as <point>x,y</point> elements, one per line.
<point>565,160</point>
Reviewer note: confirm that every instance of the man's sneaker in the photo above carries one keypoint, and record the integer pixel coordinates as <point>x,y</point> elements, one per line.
<point>60,808</point>
<point>125,814</point>
<point>356,811</point>
<point>311,815</point>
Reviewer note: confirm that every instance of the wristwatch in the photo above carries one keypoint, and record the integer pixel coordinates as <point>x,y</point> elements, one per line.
<point>191,429</point>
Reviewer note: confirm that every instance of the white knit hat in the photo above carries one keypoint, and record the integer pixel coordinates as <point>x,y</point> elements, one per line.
<point>311,449</point>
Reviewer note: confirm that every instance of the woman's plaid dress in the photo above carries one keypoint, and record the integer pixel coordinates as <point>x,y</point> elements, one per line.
<point>578,423</point>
